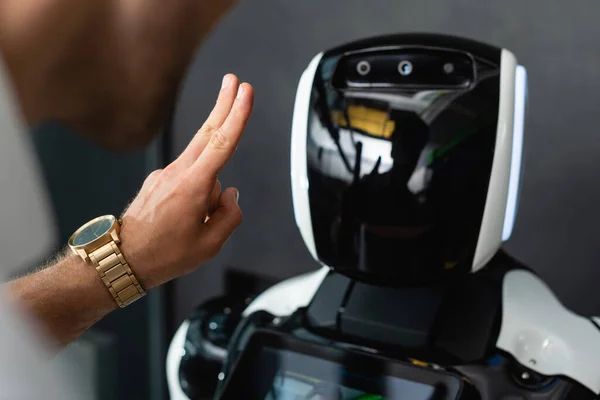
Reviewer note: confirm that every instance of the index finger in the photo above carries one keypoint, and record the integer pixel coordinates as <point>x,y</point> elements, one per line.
<point>225,139</point>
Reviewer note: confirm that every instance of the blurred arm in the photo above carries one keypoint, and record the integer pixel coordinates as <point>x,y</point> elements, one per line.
<point>66,298</point>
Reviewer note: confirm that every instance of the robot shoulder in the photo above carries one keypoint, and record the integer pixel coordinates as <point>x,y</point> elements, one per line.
<point>544,335</point>
<point>287,296</point>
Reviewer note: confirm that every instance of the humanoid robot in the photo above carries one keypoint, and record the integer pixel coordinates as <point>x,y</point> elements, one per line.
<point>406,162</point>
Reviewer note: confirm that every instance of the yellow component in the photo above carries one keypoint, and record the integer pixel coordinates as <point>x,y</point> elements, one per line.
<point>419,363</point>
<point>303,377</point>
<point>374,122</point>
<point>450,264</point>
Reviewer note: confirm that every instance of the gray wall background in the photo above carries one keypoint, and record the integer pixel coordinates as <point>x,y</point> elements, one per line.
<point>269,44</point>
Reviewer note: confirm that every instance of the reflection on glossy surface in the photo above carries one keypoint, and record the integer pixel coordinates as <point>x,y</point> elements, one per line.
<point>211,327</point>
<point>289,375</point>
<point>93,231</point>
<point>399,170</point>
<point>299,376</point>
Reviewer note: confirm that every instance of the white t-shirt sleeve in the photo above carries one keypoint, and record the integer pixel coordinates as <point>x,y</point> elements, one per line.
<point>27,234</point>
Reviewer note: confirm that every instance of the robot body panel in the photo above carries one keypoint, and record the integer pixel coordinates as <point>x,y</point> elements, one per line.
<point>494,215</point>
<point>448,332</point>
<point>545,336</point>
<point>455,327</point>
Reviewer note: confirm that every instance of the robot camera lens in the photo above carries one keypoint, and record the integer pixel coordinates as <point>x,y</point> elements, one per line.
<point>448,68</point>
<point>363,68</point>
<point>405,68</point>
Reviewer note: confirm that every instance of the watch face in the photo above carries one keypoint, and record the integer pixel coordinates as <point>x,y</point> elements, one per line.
<point>93,231</point>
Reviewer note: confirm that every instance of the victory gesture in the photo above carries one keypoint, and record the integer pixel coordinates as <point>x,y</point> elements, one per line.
<point>181,219</point>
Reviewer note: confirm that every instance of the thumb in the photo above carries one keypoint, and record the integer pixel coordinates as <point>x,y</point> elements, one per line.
<point>226,218</point>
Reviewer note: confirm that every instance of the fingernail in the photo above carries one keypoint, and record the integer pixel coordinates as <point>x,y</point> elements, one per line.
<point>237,196</point>
<point>240,92</point>
<point>226,81</point>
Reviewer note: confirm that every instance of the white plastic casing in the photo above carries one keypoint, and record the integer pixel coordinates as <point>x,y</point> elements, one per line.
<point>299,175</point>
<point>174,356</point>
<point>545,336</point>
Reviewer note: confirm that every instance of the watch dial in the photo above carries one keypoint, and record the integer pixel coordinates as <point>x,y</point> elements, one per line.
<point>92,232</point>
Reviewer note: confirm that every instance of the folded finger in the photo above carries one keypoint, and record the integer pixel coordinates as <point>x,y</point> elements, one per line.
<point>226,218</point>
<point>214,198</point>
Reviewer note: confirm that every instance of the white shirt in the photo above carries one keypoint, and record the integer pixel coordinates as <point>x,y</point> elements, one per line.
<point>27,234</point>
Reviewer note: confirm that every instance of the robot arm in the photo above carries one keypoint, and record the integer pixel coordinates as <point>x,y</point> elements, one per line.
<point>546,337</point>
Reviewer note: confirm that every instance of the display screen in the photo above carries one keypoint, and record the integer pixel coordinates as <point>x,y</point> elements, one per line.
<point>288,369</point>
<point>299,376</point>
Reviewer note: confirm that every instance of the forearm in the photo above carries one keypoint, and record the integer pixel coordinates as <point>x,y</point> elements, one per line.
<point>66,298</point>
<point>179,220</point>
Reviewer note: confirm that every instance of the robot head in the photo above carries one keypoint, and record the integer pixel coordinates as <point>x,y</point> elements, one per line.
<point>406,156</point>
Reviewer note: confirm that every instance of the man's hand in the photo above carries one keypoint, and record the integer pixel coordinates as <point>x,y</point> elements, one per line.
<point>180,219</point>
<point>110,69</point>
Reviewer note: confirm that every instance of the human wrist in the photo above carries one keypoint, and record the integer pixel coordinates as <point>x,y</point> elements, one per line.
<point>66,297</point>
<point>138,251</point>
<point>86,280</point>
<point>136,260</point>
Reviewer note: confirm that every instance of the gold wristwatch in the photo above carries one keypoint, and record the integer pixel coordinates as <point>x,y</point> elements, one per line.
<point>97,242</point>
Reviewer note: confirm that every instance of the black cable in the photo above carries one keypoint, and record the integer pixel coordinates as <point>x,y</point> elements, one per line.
<point>326,119</point>
<point>357,161</point>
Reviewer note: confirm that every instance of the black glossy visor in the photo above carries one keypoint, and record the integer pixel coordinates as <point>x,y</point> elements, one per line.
<point>400,149</point>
